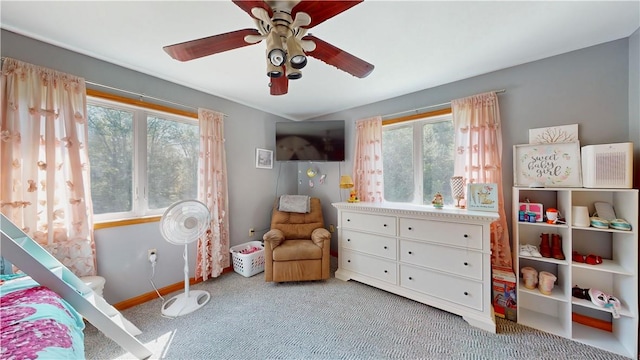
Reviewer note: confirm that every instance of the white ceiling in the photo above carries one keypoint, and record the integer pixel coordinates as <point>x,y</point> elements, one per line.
<point>414,45</point>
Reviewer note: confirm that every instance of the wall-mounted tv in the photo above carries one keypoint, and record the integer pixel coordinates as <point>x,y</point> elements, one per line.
<point>310,140</point>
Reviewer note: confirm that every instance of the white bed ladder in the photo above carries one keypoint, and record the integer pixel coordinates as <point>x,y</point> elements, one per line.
<point>45,269</point>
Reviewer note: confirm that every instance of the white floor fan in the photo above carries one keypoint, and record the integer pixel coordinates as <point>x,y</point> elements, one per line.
<point>182,223</point>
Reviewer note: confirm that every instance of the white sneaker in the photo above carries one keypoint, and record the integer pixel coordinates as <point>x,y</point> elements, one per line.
<point>524,250</point>
<point>533,250</point>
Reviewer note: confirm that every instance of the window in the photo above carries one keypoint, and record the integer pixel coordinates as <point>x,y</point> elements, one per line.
<point>418,158</point>
<point>142,160</point>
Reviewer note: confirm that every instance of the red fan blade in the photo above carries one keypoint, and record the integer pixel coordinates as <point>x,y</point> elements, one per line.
<point>194,49</point>
<point>279,85</point>
<point>247,5</point>
<point>339,58</point>
<point>321,11</point>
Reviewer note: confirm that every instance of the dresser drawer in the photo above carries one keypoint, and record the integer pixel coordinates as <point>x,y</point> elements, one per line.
<point>370,266</point>
<point>449,233</point>
<point>453,260</point>
<point>446,287</point>
<point>370,244</point>
<point>380,224</point>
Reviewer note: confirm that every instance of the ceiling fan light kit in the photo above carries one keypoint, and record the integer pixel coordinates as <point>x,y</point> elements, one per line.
<point>284,25</point>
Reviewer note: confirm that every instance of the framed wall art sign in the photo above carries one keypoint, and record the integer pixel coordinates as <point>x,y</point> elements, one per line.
<point>556,165</point>
<point>264,159</point>
<point>482,196</point>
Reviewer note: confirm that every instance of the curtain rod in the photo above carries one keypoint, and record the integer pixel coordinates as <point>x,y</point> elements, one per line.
<point>416,110</point>
<point>141,96</point>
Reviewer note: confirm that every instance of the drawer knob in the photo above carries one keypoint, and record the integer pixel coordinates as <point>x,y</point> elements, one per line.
<point>410,228</point>
<point>465,235</point>
<point>410,253</point>
<point>466,263</point>
<point>348,239</point>
<point>348,260</point>
<point>410,278</point>
<point>385,271</point>
<point>466,293</point>
<point>385,225</point>
<point>385,248</point>
<point>348,220</point>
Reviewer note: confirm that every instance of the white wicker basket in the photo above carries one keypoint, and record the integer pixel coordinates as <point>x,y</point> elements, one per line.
<point>248,264</point>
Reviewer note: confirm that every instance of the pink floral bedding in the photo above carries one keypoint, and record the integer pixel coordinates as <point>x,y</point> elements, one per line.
<point>37,323</point>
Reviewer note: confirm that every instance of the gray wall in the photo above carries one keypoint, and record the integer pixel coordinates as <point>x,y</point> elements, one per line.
<point>122,251</point>
<point>589,87</point>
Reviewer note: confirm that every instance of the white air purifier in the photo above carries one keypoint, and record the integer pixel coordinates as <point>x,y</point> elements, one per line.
<point>608,166</point>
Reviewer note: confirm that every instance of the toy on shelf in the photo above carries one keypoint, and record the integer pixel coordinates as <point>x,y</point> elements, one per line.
<point>438,201</point>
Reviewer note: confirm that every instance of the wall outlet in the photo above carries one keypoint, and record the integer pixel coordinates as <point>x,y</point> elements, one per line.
<point>252,232</point>
<point>152,255</point>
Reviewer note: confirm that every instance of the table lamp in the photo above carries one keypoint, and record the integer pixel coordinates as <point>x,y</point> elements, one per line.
<point>347,183</point>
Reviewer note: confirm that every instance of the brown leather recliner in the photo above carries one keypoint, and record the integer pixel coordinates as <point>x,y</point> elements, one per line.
<point>297,246</point>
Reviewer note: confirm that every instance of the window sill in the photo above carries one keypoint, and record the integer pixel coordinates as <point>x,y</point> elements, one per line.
<point>125,222</point>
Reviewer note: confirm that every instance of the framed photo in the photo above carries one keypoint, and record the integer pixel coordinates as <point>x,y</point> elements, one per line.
<point>482,196</point>
<point>547,164</point>
<point>264,159</point>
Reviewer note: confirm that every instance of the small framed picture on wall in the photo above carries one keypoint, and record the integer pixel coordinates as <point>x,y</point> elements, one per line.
<point>264,159</point>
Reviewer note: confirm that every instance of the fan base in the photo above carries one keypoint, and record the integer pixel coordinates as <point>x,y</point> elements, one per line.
<point>183,304</point>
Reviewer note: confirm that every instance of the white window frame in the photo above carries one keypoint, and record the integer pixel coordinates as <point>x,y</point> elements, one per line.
<point>418,168</point>
<point>140,207</point>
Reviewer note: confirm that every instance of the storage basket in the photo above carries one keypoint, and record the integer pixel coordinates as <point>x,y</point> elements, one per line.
<point>248,264</point>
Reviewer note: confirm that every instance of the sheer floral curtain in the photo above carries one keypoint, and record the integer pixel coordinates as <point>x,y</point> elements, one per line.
<point>367,160</point>
<point>213,248</point>
<point>44,183</point>
<point>478,141</point>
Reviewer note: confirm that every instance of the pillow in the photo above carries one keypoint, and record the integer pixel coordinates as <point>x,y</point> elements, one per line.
<point>295,203</point>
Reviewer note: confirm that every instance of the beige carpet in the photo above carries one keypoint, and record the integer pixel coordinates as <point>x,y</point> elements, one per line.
<point>250,319</point>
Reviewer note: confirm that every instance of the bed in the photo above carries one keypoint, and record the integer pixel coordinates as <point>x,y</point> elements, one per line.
<point>37,323</point>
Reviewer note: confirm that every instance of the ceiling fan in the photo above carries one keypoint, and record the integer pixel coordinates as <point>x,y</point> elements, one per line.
<point>284,26</point>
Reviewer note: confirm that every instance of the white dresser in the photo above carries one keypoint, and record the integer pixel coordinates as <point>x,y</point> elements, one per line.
<point>441,258</point>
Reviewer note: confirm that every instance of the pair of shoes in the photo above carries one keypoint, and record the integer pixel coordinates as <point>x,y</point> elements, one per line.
<point>580,293</point>
<point>589,259</point>
<point>529,250</point>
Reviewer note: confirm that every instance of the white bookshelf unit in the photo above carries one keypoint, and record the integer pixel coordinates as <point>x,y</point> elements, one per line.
<point>617,275</point>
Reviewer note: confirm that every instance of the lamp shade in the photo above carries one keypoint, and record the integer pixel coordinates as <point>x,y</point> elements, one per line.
<point>346,182</point>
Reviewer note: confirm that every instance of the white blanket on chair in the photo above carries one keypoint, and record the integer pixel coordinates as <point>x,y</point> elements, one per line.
<point>295,203</point>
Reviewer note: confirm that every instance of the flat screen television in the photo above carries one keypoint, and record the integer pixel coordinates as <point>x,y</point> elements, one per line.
<point>310,140</point>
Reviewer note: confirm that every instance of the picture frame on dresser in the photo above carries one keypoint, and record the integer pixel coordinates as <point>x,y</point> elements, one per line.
<point>482,196</point>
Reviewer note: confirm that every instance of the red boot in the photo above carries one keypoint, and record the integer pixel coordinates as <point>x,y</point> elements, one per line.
<point>545,248</point>
<point>556,247</point>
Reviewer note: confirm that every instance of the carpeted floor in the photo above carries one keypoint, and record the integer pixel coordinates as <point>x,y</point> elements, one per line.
<point>250,319</point>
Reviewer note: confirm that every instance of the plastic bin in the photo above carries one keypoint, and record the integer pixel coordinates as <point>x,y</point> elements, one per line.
<point>248,265</point>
